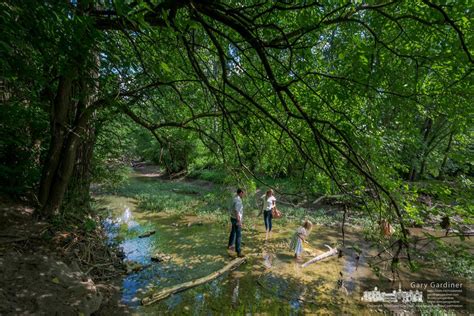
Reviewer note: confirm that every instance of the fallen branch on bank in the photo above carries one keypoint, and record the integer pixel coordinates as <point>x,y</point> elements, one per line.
<point>187,285</point>
<point>330,198</point>
<point>329,253</point>
<point>13,239</point>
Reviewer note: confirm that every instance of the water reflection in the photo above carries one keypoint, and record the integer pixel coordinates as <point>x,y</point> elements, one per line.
<point>295,305</point>
<point>268,259</point>
<point>127,218</point>
<point>198,250</point>
<point>235,294</point>
<point>239,292</point>
<point>137,250</point>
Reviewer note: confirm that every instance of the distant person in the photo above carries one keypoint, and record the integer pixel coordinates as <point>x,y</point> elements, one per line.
<point>236,215</point>
<point>299,238</point>
<point>269,203</point>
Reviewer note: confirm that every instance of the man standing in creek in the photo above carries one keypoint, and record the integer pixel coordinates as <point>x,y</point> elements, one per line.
<point>236,216</point>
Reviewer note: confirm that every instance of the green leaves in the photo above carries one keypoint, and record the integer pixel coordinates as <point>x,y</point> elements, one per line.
<point>326,93</point>
<point>364,60</point>
<point>165,67</point>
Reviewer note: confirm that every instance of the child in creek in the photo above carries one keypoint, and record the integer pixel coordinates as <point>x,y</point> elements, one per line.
<point>299,237</point>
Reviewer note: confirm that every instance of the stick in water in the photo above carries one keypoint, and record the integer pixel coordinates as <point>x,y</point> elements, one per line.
<point>184,286</point>
<point>331,252</point>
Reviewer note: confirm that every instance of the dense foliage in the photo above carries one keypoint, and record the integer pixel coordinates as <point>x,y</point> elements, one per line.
<point>342,96</point>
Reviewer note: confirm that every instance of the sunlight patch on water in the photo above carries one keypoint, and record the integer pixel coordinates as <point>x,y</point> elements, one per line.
<point>197,248</point>
<point>127,218</point>
<point>270,282</point>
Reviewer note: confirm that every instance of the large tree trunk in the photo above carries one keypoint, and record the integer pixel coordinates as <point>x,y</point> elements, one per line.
<point>59,114</point>
<point>72,136</point>
<point>63,172</point>
<point>70,122</point>
<point>77,194</point>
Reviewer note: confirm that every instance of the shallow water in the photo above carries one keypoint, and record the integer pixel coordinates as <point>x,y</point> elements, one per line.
<point>270,282</point>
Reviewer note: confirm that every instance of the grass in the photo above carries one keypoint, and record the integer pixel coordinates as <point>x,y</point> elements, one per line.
<point>178,197</point>
<point>212,200</point>
<point>432,310</point>
<point>456,259</point>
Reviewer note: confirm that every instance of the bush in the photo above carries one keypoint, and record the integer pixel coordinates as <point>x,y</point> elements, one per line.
<point>213,175</point>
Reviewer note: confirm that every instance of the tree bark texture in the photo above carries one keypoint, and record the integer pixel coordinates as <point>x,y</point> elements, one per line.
<point>72,139</point>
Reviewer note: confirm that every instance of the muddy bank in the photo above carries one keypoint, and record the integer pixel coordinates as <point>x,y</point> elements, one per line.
<point>47,270</point>
<point>38,284</point>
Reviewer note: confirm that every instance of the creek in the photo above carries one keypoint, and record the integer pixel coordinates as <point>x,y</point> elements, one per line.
<point>270,282</point>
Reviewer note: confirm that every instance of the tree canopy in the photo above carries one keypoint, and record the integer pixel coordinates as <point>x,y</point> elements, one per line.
<point>350,96</point>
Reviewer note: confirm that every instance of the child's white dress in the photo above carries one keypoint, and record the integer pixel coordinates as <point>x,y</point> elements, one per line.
<point>296,243</point>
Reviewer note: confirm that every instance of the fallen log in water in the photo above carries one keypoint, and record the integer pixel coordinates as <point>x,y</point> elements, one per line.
<point>184,286</point>
<point>148,234</point>
<point>329,253</point>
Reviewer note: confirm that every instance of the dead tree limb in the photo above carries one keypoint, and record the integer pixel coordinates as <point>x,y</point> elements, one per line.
<point>187,285</point>
<point>329,253</point>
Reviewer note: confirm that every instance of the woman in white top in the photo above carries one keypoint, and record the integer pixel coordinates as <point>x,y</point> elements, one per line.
<point>269,204</point>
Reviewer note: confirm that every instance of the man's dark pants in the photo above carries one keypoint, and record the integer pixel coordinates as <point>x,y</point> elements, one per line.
<point>235,235</point>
